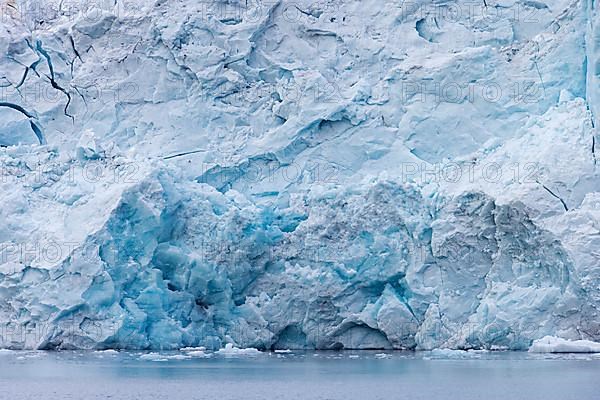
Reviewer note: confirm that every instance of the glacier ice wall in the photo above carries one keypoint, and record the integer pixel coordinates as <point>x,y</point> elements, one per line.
<point>331,174</point>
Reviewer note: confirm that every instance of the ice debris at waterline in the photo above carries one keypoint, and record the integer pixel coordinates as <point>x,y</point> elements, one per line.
<point>549,344</point>
<point>232,351</point>
<point>291,175</point>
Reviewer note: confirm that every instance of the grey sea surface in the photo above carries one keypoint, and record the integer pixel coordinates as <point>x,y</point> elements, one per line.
<point>298,375</point>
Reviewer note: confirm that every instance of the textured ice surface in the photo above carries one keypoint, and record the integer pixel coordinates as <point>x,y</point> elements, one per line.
<point>549,344</point>
<point>356,174</point>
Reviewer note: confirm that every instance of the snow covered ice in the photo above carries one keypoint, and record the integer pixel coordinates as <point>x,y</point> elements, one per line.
<point>298,175</point>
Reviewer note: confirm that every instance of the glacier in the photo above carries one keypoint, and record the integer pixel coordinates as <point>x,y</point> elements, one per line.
<point>299,174</point>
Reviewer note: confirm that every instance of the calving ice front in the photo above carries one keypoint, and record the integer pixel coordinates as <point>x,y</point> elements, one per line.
<point>168,151</point>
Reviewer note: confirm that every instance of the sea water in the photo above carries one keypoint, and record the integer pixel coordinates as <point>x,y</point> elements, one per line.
<point>298,375</point>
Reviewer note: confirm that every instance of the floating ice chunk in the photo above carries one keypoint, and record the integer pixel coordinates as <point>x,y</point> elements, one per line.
<point>164,357</point>
<point>383,355</point>
<point>193,349</point>
<point>198,354</point>
<point>153,357</point>
<point>36,354</point>
<point>108,351</point>
<point>456,354</point>
<point>551,344</point>
<point>448,353</point>
<point>178,357</point>
<point>283,351</point>
<point>231,351</point>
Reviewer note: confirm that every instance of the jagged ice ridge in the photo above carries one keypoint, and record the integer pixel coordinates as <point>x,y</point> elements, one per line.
<point>332,174</point>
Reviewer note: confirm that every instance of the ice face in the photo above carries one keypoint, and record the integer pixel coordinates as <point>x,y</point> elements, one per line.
<point>299,175</point>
